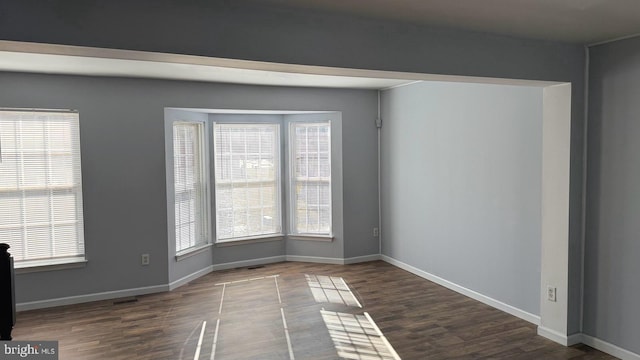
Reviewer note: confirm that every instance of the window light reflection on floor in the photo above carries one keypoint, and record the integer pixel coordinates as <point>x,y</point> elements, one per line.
<point>331,289</point>
<point>357,337</point>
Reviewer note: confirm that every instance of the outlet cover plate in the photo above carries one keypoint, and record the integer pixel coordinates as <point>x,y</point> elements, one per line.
<point>551,294</point>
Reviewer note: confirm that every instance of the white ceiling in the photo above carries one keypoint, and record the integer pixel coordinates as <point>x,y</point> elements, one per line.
<point>579,21</point>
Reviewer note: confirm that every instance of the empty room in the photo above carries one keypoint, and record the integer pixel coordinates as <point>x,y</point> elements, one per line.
<point>319,179</point>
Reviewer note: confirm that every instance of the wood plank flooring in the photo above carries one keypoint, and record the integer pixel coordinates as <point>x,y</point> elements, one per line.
<point>246,320</point>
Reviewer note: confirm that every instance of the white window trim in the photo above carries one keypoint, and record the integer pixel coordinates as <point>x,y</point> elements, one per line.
<point>335,117</point>
<point>204,178</point>
<point>187,253</point>
<point>174,116</point>
<point>278,235</point>
<point>325,238</point>
<point>252,240</point>
<point>291,202</point>
<point>43,265</point>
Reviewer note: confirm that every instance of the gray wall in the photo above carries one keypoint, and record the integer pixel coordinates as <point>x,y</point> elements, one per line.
<point>461,185</point>
<point>123,168</point>
<point>253,31</point>
<point>612,252</point>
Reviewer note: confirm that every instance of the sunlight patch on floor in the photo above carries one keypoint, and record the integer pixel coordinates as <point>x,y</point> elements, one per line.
<point>357,337</point>
<point>331,289</point>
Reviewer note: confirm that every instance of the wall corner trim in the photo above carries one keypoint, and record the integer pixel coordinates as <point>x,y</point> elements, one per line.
<point>558,337</point>
<point>361,259</point>
<point>534,319</point>
<point>574,339</point>
<point>183,280</point>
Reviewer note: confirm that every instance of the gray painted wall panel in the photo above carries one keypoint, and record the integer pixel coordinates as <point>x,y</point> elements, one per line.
<point>227,254</point>
<point>612,289</point>
<point>462,170</point>
<point>123,163</point>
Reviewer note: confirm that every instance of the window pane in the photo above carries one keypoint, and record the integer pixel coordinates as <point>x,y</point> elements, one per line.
<point>247,180</point>
<point>189,185</point>
<point>311,178</point>
<point>40,186</point>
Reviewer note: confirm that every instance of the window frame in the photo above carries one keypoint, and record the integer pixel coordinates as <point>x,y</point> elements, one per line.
<point>291,201</point>
<point>75,188</point>
<point>279,233</point>
<point>283,119</point>
<point>205,216</point>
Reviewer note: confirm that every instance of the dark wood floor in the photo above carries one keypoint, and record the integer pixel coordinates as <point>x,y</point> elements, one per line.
<point>245,320</point>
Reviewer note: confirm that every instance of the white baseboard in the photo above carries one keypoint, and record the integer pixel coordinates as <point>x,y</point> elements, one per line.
<point>224,266</point>
<point>71,300</point>
<point>268,260</point>
<point>534,319</point>
<point>202,272</point>
<point>542,331</point>
<point>566,340</point>
<point>335,261</point>
<point>558,337</point>
<point>361,259</point>
<point>107,295</point>
<point>315,259</point>
<point>574,339</point>
<point>609,348</point>
<point>245,263</point>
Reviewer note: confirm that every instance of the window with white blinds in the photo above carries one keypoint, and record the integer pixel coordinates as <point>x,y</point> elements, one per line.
<point>310,183</point>
<point>190,186</point>
<point>41,187</point>
<point>247,180</point>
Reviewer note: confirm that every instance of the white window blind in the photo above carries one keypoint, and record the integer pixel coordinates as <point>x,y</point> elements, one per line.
<point>311,178</point>
<point>247,180</point>
<point>190,185</point>
<point>41,187</point>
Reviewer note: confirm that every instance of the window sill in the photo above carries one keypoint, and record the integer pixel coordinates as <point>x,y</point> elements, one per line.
<point>47,265</point>
<point>326,238</point>
<point>251,240</point>
<point>191,252</point>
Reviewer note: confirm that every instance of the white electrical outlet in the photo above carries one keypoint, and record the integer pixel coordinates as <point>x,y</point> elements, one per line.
<point>376,232</point>
<point>551,294</point>
<point>145,259</point>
